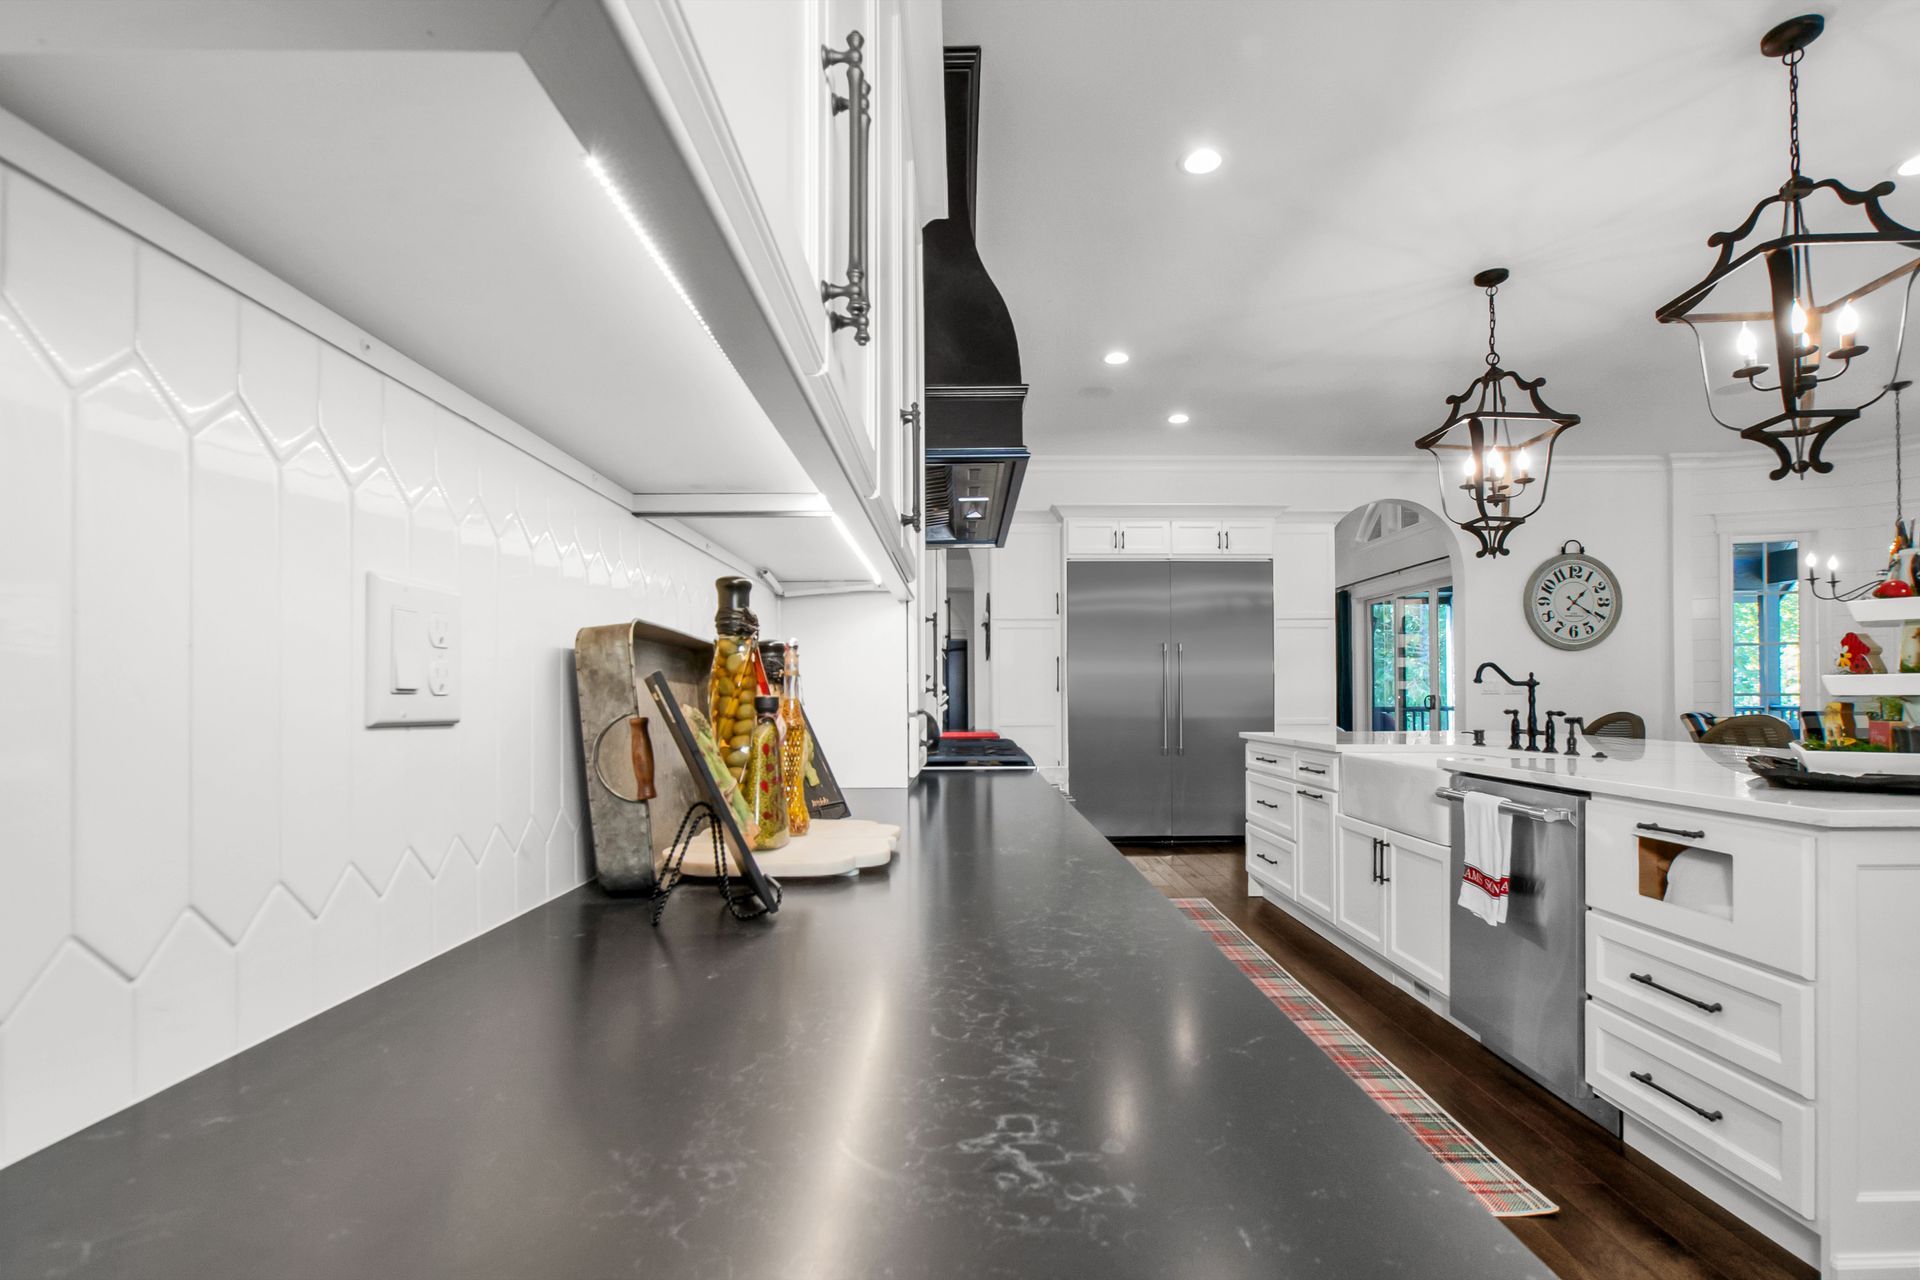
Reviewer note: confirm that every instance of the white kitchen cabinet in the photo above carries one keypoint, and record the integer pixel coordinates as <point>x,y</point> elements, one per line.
<point>1251,538</point>
<point>1314,850</point>
<point>1146,537</point>
<point>1024,575</point>
<point>1195,537</point>
<point>1093,537</point>
<point>1419,907</point>
<point>1360,907</point>
<point>1246,537</point>
<point>1269,864</point>
<point>1025,669</point>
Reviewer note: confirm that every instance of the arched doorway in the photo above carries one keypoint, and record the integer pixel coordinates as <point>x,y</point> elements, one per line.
<point>1396,602</point>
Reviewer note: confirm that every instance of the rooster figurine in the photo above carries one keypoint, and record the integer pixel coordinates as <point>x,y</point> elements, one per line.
<point>1856,655</point>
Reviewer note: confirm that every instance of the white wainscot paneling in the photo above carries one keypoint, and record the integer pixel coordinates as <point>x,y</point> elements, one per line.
<point>193,491</point>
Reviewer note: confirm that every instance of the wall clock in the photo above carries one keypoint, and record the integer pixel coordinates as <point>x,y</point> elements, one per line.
<point>1572,600</point>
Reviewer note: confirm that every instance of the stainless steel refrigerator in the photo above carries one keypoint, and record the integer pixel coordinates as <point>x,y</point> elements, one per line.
<point>1168,662</point>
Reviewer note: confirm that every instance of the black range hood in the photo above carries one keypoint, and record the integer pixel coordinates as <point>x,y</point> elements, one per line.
<point>975,455</point>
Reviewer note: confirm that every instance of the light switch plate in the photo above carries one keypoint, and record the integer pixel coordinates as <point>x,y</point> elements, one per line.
<point>412,654</point>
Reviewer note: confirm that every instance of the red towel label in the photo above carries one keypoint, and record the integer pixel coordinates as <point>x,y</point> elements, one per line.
<point>1486,883</point>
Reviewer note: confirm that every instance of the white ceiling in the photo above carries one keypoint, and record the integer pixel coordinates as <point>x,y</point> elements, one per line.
<point>1313,295</point>
<point>439,202</point>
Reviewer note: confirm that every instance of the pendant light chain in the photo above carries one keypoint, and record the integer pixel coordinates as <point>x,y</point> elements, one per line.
<point>1493,356</point>
<point>1793,111</point>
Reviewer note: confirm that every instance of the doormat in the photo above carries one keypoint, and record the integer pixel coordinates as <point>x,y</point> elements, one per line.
<point>1485,1176</point>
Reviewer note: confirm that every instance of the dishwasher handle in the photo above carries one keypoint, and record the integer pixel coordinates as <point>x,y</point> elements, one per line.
<point>1514,807</point>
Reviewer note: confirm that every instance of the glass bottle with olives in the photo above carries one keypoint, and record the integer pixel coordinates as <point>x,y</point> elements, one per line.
<point>766,789</point>
<point>733,682</point>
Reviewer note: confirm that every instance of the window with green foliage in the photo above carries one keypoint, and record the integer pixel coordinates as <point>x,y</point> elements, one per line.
<point>1766,629</point>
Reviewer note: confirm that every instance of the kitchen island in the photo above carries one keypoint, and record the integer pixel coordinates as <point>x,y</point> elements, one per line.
<point>1005,1055</point>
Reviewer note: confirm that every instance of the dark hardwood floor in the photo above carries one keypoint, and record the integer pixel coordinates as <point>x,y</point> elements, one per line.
<point>1621,1217</point>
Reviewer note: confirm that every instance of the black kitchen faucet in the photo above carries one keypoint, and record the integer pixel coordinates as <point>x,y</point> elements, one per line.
<point>1532,685</point>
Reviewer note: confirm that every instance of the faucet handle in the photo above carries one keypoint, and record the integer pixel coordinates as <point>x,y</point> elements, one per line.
<point>1573,723</point>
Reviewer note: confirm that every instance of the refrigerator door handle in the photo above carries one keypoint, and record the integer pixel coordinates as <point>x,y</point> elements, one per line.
<point>1163,699</point>
<point>1179,698</point>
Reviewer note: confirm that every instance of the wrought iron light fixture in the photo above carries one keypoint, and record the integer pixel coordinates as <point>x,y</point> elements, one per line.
<point>1773,316</point>
<point>1495,447</point>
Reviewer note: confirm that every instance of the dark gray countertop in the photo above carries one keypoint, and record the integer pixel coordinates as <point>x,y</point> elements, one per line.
<point>1005,1056</point>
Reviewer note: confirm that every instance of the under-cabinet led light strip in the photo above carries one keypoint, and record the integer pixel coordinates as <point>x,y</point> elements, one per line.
<point>632,217</point>
<point>858,554</point>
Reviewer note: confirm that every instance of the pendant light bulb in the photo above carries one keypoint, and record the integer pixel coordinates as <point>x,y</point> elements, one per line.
<point>1813,560</point>
<point>1797,318</point>
<point>1747,344</point>
<point>1522,464</point>
<point>1848,323</point>
<point>1833,564</point>
<point>1467,467</point>
<point>1499,463</point>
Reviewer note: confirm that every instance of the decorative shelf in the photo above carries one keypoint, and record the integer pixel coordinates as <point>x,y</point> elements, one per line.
<point>1899,609</point>
<point>1874,686</point>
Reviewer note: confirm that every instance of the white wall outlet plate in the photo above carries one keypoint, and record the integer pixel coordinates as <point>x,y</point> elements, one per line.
<point>412,654</point>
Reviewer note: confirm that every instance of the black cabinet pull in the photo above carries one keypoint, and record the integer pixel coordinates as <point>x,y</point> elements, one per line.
<point>858,104</point>
<point>1270,804</point>
<point>1670,831</point>
<point>1266,760</point>
<point>1646,1078</point>
<point>1264,858</point>
<point>1384,877</point>
<point>1313,795</point>
<point>1056,675</point>
<point>1376,861</point>
<point>1307,768</point>
<point>1646,980</point>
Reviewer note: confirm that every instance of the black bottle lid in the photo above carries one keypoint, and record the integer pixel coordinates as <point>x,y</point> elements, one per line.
<point>732,616</point>
<point>766,704</point>
<point>773,659</point>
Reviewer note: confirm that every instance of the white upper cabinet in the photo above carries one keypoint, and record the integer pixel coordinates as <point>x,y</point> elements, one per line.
<point>1184,538</point>
<point>1025,574</point>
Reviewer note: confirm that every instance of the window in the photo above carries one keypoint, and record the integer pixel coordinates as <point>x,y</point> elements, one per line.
<point>1409,638</point>
<point>1766,629</point>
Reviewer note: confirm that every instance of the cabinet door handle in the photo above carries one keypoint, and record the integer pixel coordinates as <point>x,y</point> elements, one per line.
<point>1266,760</point>
<point>910,418</point>
<point>1307,768</point>
<point>1264,858</point>
<point>1646,1078</point>
<point>858,104</point>
<point>1268,803</point>
<point>1123,539</point>
<point>1646,980</point>
<point>1056,604</point>
<point>1056,674</point>
<point>1313,795</point>
<point>1373,872</point>
<point>1384,877</point>
<point>1669,831</point>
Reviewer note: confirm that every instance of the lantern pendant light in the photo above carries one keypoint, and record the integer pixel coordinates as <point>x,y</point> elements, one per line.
<point>1794,310</point>
<point>1495,449</point>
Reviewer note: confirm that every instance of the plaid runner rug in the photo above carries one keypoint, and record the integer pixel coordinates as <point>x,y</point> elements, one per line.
<point>1504,1193</point>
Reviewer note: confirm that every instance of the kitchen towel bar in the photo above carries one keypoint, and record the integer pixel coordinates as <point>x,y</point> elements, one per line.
<point>1507,806</point>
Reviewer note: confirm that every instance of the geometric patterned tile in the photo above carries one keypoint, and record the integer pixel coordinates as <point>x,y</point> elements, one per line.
<point>406,918</point>
<point>189,331</point>
<point>346,941</point>
<point>456,899</point>
<point>279,375</point>
<point>36,666</point>
<point>498,888</point>
<point>130,836</point>
<point>69,1051</point>
<point>183,1007</point>
<point>236,673</point>
<point>70,274</point>
<point>277,983</point>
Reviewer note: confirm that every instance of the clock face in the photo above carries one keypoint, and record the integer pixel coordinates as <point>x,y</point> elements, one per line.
<point>1573,601</point>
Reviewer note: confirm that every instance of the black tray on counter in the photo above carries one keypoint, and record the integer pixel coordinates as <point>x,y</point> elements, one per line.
<point>1785,771</point>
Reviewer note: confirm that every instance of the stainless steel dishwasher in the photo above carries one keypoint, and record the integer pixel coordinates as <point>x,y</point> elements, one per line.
<point>1521,985</point>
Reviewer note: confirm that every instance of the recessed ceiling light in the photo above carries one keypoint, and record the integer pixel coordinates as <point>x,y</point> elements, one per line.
<point>1177,419</point>
<point>1909,168</point>
<point>1116,357</point>
<point>1200,160</point>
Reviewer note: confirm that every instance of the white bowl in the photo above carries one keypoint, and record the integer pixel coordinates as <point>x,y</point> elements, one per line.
<point>1902,763</point>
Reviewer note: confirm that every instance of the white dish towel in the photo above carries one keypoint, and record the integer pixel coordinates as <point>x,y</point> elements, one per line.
<point>1488,855</point>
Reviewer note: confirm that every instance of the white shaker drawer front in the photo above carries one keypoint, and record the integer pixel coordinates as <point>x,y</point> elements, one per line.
<point>1319,769</point>
<point>1754,1132</point>
<point>1745,888</point>
<point>1270,803</point>
<point>1270,861</point>
<point>1265,759</point>
<point>1751,1018</point>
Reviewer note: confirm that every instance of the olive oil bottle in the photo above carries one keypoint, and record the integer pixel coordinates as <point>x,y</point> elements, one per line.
<point>733,681</point>
<point>796,744</point>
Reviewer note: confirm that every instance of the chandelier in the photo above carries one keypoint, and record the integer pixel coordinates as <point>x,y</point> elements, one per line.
<point>1780,334</point>
<point>1495,447</point>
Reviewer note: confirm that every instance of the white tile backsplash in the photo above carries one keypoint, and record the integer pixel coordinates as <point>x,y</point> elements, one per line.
<point>203,845</point>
